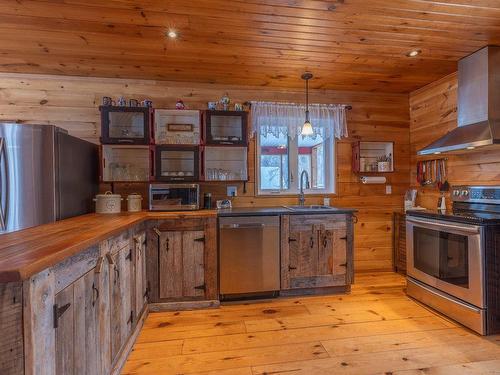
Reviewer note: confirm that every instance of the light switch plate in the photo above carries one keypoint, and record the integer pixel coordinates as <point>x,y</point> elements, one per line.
<point>232,191</point>
<point>388,189</point>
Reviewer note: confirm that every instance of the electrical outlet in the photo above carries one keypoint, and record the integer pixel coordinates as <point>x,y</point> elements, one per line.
<point>232,191</point>
<point>388,189</point>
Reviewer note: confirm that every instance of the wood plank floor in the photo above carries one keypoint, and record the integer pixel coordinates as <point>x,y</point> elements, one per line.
<point>376,329</point>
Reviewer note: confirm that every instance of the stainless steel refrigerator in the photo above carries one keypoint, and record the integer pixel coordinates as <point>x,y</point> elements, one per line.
<point>45,175</point>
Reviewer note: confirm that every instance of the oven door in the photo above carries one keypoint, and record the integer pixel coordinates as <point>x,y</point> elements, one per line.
<point>448,256</point>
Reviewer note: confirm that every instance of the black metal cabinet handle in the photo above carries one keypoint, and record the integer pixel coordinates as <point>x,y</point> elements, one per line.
<point>58,312</point>
<point>311,242</point>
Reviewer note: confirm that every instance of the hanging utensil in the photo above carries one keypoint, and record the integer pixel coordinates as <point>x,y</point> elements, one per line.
<point>446,184</point>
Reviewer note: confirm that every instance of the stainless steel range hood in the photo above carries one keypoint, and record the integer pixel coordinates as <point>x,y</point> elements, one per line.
<point>478,104</point>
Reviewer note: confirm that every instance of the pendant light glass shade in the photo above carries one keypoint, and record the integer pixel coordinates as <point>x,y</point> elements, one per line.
<point>307,128</point>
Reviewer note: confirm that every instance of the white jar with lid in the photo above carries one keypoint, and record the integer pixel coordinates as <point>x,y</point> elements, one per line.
<point>134,202</point>
<point>108,203</point>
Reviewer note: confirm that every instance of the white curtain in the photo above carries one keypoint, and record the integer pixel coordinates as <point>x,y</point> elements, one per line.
<point>287,118</point>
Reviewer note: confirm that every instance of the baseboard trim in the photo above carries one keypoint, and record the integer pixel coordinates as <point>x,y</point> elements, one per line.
<point>184,305</point>
<point>315,291</point>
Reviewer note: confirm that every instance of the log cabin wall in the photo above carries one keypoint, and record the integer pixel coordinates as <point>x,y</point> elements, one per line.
<point>433,113</point>
<point>72,103</point>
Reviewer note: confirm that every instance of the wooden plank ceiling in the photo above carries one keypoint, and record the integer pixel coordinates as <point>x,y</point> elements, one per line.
<point>347,44</point>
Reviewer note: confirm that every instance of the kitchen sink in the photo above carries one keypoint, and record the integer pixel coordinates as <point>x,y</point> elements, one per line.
<point>309,208</point>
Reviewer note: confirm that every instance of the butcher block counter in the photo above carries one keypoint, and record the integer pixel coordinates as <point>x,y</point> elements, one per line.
<point>27,252</point>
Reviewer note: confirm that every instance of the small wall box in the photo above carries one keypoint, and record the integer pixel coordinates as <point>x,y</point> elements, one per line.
<point>366,156</point>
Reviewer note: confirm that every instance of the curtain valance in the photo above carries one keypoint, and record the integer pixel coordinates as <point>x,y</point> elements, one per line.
<point>287,118</point>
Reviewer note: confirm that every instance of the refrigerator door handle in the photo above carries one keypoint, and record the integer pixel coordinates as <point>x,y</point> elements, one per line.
<point>3,194</point>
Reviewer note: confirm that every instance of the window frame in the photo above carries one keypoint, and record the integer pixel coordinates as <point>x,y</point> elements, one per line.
<point>293,168</point>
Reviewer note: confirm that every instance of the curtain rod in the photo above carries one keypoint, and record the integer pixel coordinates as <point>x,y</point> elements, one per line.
<point>249,104</point>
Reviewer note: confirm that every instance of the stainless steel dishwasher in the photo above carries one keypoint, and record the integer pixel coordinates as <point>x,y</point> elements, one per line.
<point>249,256</point>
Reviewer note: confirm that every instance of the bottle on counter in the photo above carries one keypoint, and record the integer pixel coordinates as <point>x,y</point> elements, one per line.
<point>207,201</point>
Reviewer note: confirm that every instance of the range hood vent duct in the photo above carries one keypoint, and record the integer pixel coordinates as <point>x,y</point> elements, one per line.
<point>478,104</point>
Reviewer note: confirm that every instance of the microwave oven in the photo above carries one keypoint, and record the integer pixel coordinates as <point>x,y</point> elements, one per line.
<point>174,197</point>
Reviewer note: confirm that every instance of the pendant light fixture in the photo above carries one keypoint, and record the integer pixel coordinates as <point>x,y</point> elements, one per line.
<point>307,127</point>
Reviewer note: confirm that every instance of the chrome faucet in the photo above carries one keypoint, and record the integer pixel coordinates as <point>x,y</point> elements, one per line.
<point>302,199</point>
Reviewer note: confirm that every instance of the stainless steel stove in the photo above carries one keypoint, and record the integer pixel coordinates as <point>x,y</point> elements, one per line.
<point>454,257</point>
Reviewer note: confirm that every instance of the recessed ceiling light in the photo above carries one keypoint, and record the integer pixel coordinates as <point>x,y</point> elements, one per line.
<point>414,53</point>
<point>172,34</point>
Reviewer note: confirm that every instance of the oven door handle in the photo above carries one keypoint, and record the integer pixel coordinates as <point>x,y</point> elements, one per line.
<point>469,229</point>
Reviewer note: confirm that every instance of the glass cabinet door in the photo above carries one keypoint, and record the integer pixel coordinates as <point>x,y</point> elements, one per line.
<point>125,163</point>
<point>177,127</point>
<point>125,125</point>
<point>177,163</point>
<point>225,163</point>
<point>226,127</point>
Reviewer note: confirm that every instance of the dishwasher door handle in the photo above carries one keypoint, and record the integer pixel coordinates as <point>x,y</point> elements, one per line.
<point>243,226</point>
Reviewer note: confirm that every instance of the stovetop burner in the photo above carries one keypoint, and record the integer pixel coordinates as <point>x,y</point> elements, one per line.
<point>469,217</point>
<point>471,204</point>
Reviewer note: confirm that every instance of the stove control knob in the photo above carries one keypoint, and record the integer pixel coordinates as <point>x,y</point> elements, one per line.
<point>465,193</point>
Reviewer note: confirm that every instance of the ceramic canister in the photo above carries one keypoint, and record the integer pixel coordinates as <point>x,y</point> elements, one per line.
<point>134,202</point>
<point>108,203</point>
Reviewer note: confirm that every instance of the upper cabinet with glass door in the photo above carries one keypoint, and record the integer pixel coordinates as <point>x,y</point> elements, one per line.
<point>126,125</point>
<point>225,128</point>
<point>177,127</point>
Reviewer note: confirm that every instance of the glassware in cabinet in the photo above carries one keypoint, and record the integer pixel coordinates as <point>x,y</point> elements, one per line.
<point>125,163</point>
<point>181,127</point>
<point>177,163</point>
<point>126,125</point>
<point>225,128</point>
<point>225,163</point>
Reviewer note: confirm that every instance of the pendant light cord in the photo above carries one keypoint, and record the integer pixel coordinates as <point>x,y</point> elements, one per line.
<point>307,99</point>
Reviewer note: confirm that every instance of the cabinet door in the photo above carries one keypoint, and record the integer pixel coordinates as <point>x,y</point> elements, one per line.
<point>182,273</point>
<point>65,332</point>
<point>77,327</point>
<point>170,270</point>
<point>140,272</point>
<point>314,251</point>
<point>86,325</point>
<point>121,292</point>
<point>193,264</point>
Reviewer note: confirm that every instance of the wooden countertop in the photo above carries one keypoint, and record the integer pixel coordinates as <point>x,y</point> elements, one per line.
<point>29,251</point>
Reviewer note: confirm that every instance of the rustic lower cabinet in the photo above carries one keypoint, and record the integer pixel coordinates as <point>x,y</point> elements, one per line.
<point>82,315</point>
<point>79,316</point>
<point>316,253</point>
<point>182,263</point>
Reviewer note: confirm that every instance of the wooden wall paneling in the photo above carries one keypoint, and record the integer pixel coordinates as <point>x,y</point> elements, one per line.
<point>72,103</point>
<point>11,326</point>
<point>433,113</point>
